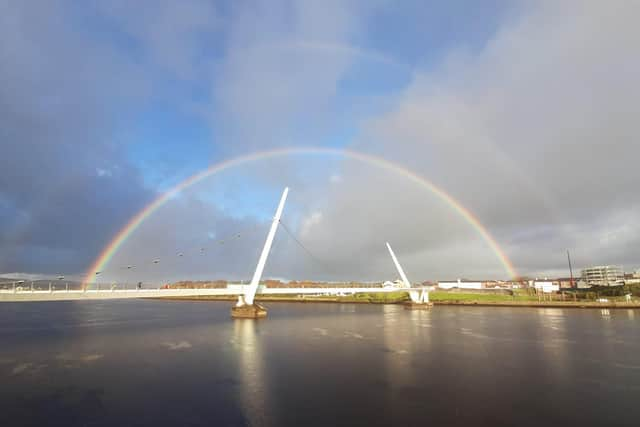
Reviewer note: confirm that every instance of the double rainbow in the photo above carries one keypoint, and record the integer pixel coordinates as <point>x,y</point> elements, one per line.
<point>107,253</point>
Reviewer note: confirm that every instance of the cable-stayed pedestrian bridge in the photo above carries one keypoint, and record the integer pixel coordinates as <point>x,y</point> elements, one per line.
<point>246,306</point>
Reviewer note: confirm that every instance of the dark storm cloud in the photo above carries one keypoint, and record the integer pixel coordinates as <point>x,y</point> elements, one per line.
<point>64,183</point>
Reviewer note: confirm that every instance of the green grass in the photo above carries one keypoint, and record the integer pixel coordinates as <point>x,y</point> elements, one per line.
<point>520,296</point>
<point>376,298</point>
<point>437,296</point>
<point>471,297</point>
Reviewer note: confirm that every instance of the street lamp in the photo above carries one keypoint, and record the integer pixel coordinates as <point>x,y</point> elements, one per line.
<point>131,267</point>
<point>96,279</point>
<point>156,261</point>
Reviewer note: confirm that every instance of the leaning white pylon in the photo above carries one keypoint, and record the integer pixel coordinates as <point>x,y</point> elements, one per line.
<point>417,297</point>
<point>250,293</point>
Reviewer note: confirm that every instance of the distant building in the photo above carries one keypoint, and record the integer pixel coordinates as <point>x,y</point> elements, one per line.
<point>518,284</point>
<point>603,275</point>
<point>582,284</point>
<point>460,284</point>
<point>546,286</point>
<point>567,282</point>
<point>495,284</point>
<point>632,278</point>
<point>395,284</point>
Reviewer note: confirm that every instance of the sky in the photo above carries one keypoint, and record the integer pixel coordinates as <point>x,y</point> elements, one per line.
<point>522,112</point>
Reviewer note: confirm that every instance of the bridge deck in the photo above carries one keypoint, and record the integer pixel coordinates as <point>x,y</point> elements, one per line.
<point>93,294</point>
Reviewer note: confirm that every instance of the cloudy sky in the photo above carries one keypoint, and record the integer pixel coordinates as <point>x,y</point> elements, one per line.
<point>525,112</point>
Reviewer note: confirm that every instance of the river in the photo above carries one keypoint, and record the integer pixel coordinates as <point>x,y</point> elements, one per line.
<point>157,363</point>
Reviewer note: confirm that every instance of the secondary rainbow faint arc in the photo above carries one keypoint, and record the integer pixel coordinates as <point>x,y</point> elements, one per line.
<point>107,253</point>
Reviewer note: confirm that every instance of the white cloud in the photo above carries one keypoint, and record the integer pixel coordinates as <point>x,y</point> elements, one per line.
<point>104,172</point>
<point>274,83</point>
<point>537,131</point>
<point>309,222</point>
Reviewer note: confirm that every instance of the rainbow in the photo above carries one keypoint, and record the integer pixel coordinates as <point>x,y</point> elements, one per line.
<point>107,253</point>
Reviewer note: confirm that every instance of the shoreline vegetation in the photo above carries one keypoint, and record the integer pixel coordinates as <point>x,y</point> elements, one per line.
<point>438,298</point>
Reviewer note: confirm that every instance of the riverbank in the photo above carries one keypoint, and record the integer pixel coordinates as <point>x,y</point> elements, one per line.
<point>438,298</point>
<point>544,304</point>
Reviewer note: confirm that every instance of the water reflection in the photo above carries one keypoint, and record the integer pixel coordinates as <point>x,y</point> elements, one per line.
<point>554,343</point>
<point>346,308</point>
<point>406,338</point>
<point>251,370</point>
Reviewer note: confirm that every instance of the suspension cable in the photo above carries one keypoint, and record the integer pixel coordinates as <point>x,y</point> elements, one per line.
<point>304,248</point>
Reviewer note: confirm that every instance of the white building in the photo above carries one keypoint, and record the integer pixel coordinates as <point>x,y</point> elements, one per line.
<point>545,286</point>
<point>460,285</point>
<point>603,275</point>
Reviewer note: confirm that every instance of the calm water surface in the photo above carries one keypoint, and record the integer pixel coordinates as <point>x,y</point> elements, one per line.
<point>156,363</point>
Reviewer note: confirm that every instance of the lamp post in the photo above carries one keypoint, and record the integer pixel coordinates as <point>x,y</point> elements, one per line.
<point>96,277</point>
<point>156,262</point>
<point>131,267</point>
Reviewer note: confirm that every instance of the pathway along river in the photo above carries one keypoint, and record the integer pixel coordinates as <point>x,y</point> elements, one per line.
<point>157,363</point>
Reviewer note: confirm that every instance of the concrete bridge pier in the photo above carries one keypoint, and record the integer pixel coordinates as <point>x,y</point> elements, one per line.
<point>242,310</point>
<point>419,300</point>
<point>253,311</point>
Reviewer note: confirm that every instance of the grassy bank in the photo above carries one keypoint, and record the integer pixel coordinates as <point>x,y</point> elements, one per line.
<point>519,299</point>
<point>523,298</point>
<point>366,298</point>
<point>377,298</point>
<point>440,296</point>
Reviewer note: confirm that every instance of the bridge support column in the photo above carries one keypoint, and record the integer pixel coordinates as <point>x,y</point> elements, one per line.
<point>419,301</point>
<point>246,307</point>
<point>410,305</point>
<point>253,311</point>
<point>419,298</point>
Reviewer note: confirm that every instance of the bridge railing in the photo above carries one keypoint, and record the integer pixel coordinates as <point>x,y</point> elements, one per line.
<point>61,286</point>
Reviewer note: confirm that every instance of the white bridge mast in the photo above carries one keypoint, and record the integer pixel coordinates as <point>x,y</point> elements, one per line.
<point>250,292</point>
<point>416,296</point>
